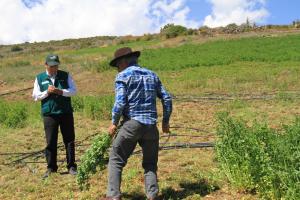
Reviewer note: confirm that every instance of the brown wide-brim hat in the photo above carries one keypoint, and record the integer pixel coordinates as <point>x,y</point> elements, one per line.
<point>122,53</point>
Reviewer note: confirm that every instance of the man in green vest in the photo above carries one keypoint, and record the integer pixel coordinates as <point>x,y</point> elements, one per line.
<point>54,89</point>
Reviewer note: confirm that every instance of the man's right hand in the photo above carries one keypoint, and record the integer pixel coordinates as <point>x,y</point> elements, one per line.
<point>165,128</point>
<point>112,130</point>
<point>51,89</point>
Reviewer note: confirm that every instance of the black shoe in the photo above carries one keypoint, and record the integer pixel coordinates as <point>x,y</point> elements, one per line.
<point>73,171</point>
<point>48,173</point>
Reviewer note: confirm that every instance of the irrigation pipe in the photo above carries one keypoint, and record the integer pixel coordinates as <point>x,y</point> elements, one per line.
<point>170,146</point>
<point>163,146</point>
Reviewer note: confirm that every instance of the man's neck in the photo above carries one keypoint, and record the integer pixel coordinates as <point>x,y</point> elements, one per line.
<point>51,75</point>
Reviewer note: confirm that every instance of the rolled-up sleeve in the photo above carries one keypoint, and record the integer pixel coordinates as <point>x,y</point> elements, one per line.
<point>120,100</point>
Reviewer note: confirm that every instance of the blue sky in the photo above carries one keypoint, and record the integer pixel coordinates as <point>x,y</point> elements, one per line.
<point>44,20</point>
<point>281,11</point>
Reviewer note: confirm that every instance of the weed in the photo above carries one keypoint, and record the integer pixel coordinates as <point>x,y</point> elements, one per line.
<point>13,115</point>
<point>260,159</point>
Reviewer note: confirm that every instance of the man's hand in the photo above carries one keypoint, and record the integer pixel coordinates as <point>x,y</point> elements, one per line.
<point>51,89</point>
<point>112,130</point>
<point>54,90</point>
<point>165,128</point>
<point>58,91</point>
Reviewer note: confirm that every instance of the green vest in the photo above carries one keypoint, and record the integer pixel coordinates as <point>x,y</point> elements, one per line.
<point>55,104</point>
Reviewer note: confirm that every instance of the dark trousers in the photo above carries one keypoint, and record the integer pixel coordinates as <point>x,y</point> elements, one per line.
<point>66,124</point>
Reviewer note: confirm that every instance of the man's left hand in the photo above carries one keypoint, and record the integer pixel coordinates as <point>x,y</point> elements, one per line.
<point>112,130</point>
<point>58,91</point>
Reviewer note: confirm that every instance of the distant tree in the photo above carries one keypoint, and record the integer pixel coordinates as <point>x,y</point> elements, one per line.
<point>231,28</point>
<point>248,22</point>
<point>205,31</point>
<point>296,23</point>
<point>191,31</point>
<point>16,48</point>
<point>171,30</point>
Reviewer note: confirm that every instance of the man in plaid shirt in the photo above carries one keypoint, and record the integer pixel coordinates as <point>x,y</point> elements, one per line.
<point>136,90</point>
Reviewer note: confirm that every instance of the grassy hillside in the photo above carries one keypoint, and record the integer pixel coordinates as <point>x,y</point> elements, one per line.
<point>253,77</point>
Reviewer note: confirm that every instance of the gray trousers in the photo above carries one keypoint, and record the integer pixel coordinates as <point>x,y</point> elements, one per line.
<point>131,133</point>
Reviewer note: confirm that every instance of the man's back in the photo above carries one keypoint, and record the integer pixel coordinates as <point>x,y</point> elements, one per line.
<point>137,89</point>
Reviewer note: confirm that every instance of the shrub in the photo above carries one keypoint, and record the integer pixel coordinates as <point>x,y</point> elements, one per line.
<point>147,37</point>
<point>78,103</point>
<point>2,111</point>
<point>231,28</point>
<point>205,31</point>
<point>98,107</point>
<point>13,115</point>
<point>94,107</point>
<point>171,30</point>
<point>296,23</point>
<point>16,48</point>
<point>260,159</point>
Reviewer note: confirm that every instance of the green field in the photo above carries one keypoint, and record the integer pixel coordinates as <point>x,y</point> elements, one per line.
<point>254,79</point>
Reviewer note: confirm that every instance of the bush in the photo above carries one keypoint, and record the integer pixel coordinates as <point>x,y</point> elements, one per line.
<point>13,115</point>
<point>16,48</point>
<point>77,103</point>
<point>96,108</point>
<point>147,37</point>
<point>231,28</point>
<point>296,23</point>
<point>205,31</point>
<point>171,30</point>
<point>260,159</point>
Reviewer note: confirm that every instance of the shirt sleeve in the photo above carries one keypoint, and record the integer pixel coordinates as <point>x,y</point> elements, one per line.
<point>36,93</point>
<point>120,100</point>
<point>166,101</point>
<point>72,90</point>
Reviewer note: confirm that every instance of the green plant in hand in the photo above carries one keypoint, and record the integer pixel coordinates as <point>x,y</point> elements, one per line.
<point>95,158</point>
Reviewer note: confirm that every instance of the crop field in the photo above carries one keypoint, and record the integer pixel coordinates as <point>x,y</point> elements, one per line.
<point>235,128</point>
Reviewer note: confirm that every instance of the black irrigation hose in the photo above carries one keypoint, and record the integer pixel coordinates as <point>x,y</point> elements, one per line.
<point>186,135</point>
<point>171,146</point>
<point>209,97</point>
<point>220,98</point>
<point>187,128</point>
<point>182,146</point>
<point>188,145</point>
<point>192,98</point>
<point>37,154</point>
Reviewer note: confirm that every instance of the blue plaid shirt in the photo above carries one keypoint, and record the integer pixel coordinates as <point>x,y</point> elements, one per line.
<point>136,90</point>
